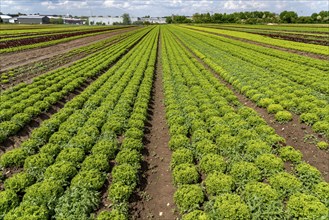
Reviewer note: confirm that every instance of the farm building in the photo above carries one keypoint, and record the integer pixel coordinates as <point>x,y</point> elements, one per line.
<point>33,19</point>
<point>5,18</point>
<point>154,20</point>
<point>73,21</point>
<point>108,20</point>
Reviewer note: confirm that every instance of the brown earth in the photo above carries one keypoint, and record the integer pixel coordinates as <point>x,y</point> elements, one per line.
<point>303,53</point>
<point>155,198</point>
<point>34,69</point>
<point>14,60</point>
<point>296,134</point>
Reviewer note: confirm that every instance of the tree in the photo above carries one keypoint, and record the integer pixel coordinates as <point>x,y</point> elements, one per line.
<point>288,16</point>
<point>168,20</point>
<point>126,19</point>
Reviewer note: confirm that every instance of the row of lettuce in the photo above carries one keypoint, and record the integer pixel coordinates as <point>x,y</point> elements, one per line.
<point>76,154</point>
<point>20,104</point>
<point>311,48</point>
<point>53,42</point>
<point>266,78</point>
<point>59,60</point>
<point>227,163</point>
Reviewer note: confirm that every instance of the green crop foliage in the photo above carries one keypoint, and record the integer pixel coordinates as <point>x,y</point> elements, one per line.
<point>131,157</point>
<point>303,206</point>
<point>13,158</point>
<point>132,144</point>
<point>211,163</point>
<point>274,108</point>
<point>185,174</point>
<point>196,215</point>
<point>264,200</point>
<point>119,192</point>
<point>217,183</point>
<point>229,206</point>
<point>106,147</point>
<point>321,190</point>
<point>285,184</point>
<point>36,165</point>
<point>8,201</point>
<point>322,145</point>
<point>44,193</point>
<point>96,161</point>
<point>77,203</point>
<point>178,141</point>
<point>74,155</point>
<point>269,164</point>
<point>19,182</point>
<point>62,171</point>
<point>125,174</point>
<point>283,116</point>
<point>309,118</point>
<point>288,153</point>
<point>308,174</point>
<point>114,214</point>
<point>28,211</point>
<point>244,172</point>
<point>181,156</point>
<point>188,197</point>
<point>90,179</point>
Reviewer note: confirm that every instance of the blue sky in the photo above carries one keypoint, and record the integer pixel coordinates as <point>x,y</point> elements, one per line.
<point>157,8</point>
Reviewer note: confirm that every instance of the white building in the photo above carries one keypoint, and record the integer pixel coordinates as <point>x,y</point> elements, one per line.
<point>108,20</point>
<point>154,20</point>
<point>5,18</point>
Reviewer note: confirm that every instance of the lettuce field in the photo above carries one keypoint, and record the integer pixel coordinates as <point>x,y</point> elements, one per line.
<point>164,122</point>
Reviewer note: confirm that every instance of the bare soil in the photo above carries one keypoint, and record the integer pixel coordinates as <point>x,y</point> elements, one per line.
<point>298,135</point>
<point>302,53</point>
<point>37,68</point>
<point>13,60</point>
<point>155,198</point>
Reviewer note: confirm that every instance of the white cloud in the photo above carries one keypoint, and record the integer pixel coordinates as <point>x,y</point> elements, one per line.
<point>159,7</point>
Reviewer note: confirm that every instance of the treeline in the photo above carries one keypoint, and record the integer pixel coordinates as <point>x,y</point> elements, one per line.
<point>255,17</point>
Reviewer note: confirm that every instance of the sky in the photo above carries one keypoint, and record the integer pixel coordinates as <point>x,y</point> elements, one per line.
<point>157,8</point>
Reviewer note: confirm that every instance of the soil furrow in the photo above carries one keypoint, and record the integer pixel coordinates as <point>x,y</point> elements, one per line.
<point>155,198</point>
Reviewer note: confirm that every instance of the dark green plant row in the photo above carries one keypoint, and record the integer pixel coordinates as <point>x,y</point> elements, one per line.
<point>63,177</point>
<point>313,76</point>
<point>276,93</point>
<point>9,75</point>
<point>50,43</point>
<point>227,163</point>
<point>25,101</point>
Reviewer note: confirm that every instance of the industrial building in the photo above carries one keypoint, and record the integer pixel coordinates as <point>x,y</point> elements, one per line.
<point>33,19</point>
<point>108,20</point>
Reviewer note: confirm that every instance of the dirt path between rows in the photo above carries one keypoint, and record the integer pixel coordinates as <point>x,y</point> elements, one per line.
<point>156,197</point>
<point>9,61</point>
<point>302,53</point>
<point>296,134</point>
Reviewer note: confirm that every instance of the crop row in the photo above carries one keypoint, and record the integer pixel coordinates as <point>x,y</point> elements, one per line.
<point>25,101</point>
<point>61,59</point>
<point>313,77</point>
<point>311,38</point>
<point>64,174</point>
<point>227,163</point>
<point>317,49</point>
<point>266,89</point>
<point>51,42</point>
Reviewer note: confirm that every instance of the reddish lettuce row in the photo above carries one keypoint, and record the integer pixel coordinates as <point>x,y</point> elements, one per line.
<point>49,43</point>
<point>220,126</point>
<point>20,107</point>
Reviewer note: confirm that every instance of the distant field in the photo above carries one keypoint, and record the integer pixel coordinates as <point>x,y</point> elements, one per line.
<point>164,122</point>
